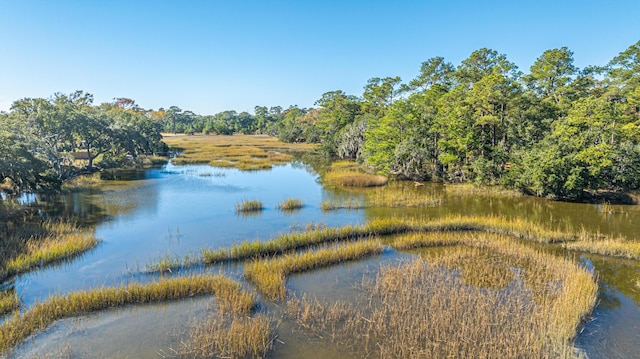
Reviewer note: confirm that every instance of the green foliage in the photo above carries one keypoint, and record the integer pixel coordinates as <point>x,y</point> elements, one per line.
<point>37,151</point>
<point>558,131</point>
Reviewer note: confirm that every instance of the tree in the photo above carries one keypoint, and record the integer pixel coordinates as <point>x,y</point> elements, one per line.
<point>379,94</point>
<point>336,111</point>
<point>434,71</point>
<point>552,73</point>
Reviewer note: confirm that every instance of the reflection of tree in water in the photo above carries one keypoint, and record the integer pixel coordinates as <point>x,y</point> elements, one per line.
<point>616,276</point>
<point>311,162</point>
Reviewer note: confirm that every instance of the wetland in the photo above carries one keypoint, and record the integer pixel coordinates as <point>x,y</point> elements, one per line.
<point>320,266</point>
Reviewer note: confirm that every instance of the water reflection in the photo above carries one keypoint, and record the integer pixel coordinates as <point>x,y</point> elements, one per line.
<point>176,210</point>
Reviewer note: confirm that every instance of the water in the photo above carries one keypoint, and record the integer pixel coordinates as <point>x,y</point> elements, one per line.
<point>143,215</point>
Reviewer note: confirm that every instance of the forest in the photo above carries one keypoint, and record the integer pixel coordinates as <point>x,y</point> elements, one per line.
<point>557,131</point>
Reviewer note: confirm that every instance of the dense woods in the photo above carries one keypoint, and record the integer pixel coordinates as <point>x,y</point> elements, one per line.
<point>557,131</point>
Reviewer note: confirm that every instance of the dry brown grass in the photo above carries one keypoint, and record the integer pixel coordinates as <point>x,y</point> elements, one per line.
<point>245,152</point>
<point>434,310</point>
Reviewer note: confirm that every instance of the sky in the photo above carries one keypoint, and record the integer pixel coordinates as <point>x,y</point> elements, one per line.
<point>212,56</point>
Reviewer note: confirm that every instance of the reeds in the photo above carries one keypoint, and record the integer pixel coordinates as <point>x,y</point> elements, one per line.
<point>250,205</point>
<point>606,245</point>
<point>229,295</point>
<point>475,190</point>
<point>229,336</point>
<point>421,309</point>
<point>290,204</point>
<point>244,152</point>
<point>400,195</point>
<point>352,178</point>
<point>517,228</point>
<point>82,182</point>
<point>513,227</point>
<point>9,301</point>
<point>349,204</point>
<point>52,242</point>
<point>269,275</point>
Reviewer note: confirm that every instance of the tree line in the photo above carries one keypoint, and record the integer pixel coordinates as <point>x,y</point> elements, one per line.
<point>557,131</point>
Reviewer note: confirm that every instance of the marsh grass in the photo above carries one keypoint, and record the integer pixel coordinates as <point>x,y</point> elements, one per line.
<point>229,294</point>
<point>33,247</point>
<point>394,194</point>
<point>290,204</point>
<point>9,301</point>
<point>514,227</point>
<point>269,274</point>
<point>245,152</point>
<point>82,182</point>
<point>229,336</point>
<point>475,190</point>
<point>398,194</point>
<point>350,177</point>
<point>153,160</point>
<point>250,205</point>
<point>605,245</point>
<point>535,316</point>
<point>348,204</point>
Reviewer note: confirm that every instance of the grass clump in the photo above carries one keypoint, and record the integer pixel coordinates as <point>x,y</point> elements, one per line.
<point>229,294</point>
<point>535,316</point>
<point>352,178</point>
<point>229,336</point>
<point>269,275</point>
<point>251,205</point>
<point>82,182</point>
<point>290,204</point>
<point>9,301</point>
<point>605,245</point>
<point>39,246</point>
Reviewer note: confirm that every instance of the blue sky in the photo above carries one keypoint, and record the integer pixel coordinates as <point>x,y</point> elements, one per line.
<point>211,56</point>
